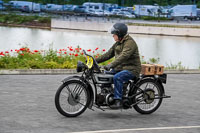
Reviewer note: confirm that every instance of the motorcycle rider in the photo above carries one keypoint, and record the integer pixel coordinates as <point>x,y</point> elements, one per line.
<point>127,63</point>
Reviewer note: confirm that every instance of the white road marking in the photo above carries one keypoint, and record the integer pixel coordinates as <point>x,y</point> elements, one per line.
<point>138,129</point>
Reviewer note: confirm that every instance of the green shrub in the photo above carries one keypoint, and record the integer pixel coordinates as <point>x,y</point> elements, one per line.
<point>19,19</point>
<point>34,64</point>
<point>68,65</point>
<point>154,18</point>
<point>177,66</point>
<point>51,65</point>
<point>44,20</point>
<point>24,58</point>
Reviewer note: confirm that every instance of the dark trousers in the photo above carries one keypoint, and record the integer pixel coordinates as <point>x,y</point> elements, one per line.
<point>119,78</point>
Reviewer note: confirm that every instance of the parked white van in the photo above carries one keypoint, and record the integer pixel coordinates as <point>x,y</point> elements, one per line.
<point>99,6</point>
<point>185,11</point>
<point>54,7</point>
<point>146,10</point>
<point>25,6</point>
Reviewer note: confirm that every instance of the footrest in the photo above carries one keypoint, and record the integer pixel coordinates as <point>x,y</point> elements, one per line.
<point>165,96</point>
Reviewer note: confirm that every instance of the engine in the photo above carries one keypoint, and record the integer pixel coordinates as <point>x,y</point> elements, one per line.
<point>106,96</point>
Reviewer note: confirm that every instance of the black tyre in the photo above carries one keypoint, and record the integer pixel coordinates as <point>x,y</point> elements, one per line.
<point>72,98</point>
<point>151,92</point>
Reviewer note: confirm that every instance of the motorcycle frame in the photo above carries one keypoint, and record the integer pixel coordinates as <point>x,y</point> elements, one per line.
<point>88,74</point>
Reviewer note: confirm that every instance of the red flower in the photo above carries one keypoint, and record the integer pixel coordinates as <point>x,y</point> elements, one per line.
<point>71,49</point>
<point>11,50</point>
<point>6,52</point>
<point>70,54</point>
<point>96,48</point>
<point>89,50</point>
<point>36,51</point>
<point>92,51</point>
<point>22,54</point>
<point>77,49</point>
<point>76,55</point>
<point>82,53</point>
<point>65,52</point>
<point>1,53</point>
<point>104,50</point>
<point>22,49</point>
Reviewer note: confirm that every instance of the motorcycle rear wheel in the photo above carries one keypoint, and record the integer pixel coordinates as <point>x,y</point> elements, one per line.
<point>152,90</point>
<point>72,98</point>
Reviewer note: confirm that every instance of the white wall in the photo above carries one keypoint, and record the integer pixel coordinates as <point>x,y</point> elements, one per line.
<point>104,27</point>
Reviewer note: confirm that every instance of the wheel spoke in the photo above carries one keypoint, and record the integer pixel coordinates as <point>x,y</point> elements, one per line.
<point>68,89</point>
<point>76,89</point>
<point>65,95</point>
<point>79,91</point>
<point>146,86</point>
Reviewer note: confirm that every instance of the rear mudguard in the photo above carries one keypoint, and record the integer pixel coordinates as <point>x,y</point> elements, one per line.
<point>158,78</point>
<point>161,79</point>
<point>89,87</point>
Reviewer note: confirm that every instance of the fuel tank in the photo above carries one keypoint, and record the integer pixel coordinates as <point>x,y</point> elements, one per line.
<point>104,78</point>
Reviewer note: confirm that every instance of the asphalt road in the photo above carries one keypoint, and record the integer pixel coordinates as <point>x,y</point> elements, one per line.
<point>27,106</point>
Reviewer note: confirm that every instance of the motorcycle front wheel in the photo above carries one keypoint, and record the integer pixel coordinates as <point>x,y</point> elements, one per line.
<point>150,98</point>
<point>72,98</point>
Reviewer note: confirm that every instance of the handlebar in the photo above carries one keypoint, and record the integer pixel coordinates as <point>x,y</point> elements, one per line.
<point>84,52</point>
<point>95,62</point>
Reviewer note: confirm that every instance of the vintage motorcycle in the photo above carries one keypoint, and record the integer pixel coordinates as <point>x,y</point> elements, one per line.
<point>94,88</point>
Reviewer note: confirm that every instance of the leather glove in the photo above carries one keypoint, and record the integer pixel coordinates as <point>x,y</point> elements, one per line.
<point>107,67</point>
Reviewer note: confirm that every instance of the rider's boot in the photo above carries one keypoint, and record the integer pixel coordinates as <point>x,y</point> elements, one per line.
<point>117,104</point>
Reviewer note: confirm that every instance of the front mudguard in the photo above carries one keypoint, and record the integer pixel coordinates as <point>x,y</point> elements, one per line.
<point>89,87</point>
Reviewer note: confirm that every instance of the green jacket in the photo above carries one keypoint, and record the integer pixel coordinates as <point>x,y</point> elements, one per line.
<point>126,56</point>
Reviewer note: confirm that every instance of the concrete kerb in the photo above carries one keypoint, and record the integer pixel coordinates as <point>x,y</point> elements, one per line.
<point>73,71</point>
<point>37,71</point>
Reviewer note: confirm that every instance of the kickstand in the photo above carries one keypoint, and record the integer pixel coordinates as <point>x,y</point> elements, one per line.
<point>98,107</point>
<point>91,109</point>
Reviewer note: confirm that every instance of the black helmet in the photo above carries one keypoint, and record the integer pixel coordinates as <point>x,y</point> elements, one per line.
<point>119,29</point>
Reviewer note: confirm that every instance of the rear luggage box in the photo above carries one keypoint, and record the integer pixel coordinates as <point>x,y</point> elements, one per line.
<point>152,69</point>
<point>148,69</point>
